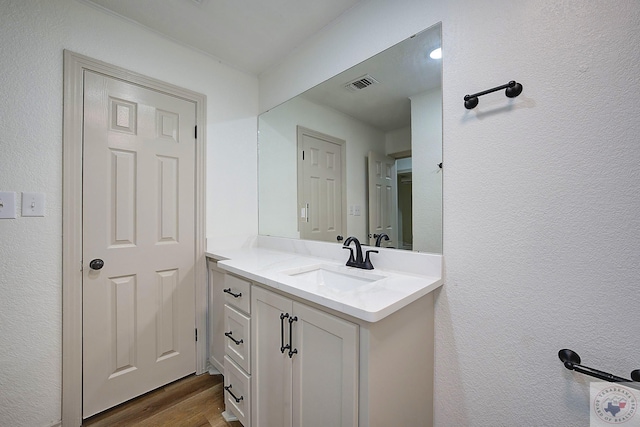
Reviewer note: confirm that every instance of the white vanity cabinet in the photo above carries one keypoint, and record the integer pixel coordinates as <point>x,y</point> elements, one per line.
<point>304,364</point>
<point>343,371</point>
<point>305,355</point>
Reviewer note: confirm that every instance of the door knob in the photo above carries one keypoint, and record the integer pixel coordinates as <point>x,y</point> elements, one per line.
<point>96,264</point>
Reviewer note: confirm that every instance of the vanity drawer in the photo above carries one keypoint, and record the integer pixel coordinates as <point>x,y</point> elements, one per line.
<point>237,292</point>
<point>237,337</point>
<point>237,389</point>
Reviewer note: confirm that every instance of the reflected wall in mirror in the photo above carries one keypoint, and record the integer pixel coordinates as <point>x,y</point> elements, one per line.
<point>359,154</point>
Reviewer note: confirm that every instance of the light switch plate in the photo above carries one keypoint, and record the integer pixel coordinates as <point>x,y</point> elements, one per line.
<point>33,204</point>
<point>7,204</point>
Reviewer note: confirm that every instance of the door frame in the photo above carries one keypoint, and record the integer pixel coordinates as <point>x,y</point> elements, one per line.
<point>300,132</point>
<point>72,143</point>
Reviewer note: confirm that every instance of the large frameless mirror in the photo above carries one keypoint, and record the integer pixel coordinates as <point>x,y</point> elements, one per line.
<point>360,154</point>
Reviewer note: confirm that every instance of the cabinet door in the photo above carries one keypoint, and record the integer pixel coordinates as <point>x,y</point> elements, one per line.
<point>325,369</point>
<point>271,368</point>
<point>216,315</point>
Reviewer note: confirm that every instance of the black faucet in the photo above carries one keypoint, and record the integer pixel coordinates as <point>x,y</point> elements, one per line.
<point>379,238</point>
<point>357,262</point>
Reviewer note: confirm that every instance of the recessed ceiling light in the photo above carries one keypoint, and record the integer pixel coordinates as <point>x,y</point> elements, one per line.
<point>436,53</point>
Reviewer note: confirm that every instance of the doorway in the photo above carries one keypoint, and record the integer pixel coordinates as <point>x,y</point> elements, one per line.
<point>122,164</point>
<point>405,203</point>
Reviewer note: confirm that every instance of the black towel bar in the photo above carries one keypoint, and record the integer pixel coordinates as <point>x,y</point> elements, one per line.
<point>572,362</point>
<point>513,89</point>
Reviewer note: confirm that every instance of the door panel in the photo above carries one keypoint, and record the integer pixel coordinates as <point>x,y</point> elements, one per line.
<point>320,195</point>
<point>383,198</point>
<point>138,217</point>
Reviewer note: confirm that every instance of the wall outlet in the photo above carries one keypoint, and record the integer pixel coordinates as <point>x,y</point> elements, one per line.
<point>356,210</point>
<point>7,204</point>
<point>33,204</point>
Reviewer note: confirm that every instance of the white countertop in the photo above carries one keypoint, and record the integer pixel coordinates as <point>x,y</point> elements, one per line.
<point>370,302</point>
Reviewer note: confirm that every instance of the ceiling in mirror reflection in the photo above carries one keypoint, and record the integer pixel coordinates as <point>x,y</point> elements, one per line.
<point>401,72</point>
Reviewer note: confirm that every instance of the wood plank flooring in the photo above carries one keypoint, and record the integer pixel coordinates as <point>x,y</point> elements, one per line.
<point>194,401</point>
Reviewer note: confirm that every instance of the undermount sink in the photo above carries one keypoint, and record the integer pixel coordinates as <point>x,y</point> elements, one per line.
<point>334,277</point>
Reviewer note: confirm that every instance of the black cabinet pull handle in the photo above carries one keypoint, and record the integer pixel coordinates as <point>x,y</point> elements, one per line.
<point>238,399</point>
<point>295,350</point>
<point>228,290</point>
<point>283,347</point>
<point>228,335</point>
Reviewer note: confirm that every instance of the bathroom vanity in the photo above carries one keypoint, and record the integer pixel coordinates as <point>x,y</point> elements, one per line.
<point>303,340</point>
<point>330,345</point>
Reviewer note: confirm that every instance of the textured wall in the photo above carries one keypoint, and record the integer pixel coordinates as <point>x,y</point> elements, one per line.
<point>541,194</point>
<point>30,253</point>
<point>34,34</point>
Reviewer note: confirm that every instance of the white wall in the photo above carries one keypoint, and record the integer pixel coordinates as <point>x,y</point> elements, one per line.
<point>541,194</point>
<point>398,141</point>
<point>278,166</point>
<point>34,34</point>
<point>426,140</point>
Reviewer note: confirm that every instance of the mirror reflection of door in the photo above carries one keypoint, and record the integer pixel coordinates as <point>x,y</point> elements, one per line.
<point>321,182</point>
<point>383,199</point>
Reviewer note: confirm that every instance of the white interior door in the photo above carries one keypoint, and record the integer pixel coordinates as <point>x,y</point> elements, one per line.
<point>138,218</point>
<point>383,198</point>
<point>320,182</point>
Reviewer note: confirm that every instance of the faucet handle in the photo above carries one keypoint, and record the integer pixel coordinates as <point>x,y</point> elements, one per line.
<point>352,261</point>
<point>367,262</point>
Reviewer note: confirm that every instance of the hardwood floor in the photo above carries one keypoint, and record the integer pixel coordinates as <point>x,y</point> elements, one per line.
<point>194,401</point>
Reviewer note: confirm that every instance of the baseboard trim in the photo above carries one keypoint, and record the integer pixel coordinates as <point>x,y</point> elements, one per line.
<point>228,416</point>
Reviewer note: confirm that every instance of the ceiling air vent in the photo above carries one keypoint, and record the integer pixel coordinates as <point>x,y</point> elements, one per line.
<point>361,83</point>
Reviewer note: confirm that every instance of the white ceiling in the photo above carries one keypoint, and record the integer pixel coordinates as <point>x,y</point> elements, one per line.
<point>253,35</point>
<point>250,35</point>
